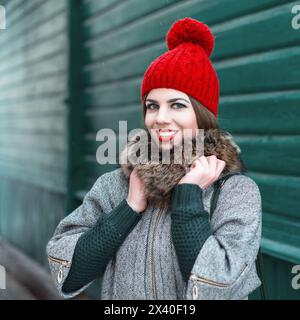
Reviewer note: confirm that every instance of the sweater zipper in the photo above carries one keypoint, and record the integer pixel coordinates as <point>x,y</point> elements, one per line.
<point>152,258</point>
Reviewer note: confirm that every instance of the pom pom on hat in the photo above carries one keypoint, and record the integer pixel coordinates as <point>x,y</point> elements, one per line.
<point>190,30</point>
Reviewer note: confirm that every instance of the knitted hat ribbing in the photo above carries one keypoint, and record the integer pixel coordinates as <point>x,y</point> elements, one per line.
<point>186,66</point>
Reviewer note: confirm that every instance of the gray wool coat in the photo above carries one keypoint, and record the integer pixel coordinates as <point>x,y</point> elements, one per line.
<point>145,267</point>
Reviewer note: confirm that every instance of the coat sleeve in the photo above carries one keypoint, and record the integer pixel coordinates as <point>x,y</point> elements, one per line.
<point>61,246</point>
<point>225,266</point>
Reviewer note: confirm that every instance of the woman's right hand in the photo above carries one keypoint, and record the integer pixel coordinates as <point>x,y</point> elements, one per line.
<point>136,196</point>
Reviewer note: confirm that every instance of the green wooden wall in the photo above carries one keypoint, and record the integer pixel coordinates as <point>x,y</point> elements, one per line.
<point>33,130</point>
<point>53,102</point>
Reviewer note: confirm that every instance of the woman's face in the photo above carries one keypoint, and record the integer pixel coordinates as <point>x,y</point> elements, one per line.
<point>168,113</point>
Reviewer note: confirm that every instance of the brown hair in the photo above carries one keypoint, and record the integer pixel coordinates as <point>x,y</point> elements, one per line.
<point>205,118</point>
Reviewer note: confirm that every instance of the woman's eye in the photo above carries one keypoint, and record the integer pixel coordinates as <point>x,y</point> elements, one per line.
<point>179,105</point>
<point>151,106</point>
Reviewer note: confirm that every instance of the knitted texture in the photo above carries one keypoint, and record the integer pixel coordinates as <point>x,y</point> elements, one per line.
<point>190,226</point>
<point>186,66</point>
<point>96,247</point>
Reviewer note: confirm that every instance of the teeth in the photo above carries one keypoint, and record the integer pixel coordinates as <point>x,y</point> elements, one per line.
<point>167,134</point>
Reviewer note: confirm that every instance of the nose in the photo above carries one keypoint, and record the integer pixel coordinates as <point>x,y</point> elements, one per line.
<point>163,116</point>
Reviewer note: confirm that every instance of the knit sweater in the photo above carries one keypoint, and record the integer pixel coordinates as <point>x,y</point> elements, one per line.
<point>190,229</point>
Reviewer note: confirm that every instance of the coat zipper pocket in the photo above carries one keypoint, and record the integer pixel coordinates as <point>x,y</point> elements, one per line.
<point>193,277</point>
<point>63,263</point>
<point>203,280</point>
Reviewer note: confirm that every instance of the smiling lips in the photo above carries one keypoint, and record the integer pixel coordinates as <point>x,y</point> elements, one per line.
<point>166,134</point>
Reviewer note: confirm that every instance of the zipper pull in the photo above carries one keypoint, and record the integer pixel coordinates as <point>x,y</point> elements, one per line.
<point>62,264</point>
<point>60,274</point>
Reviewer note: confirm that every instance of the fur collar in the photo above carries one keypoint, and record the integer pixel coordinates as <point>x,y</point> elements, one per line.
<point>159,179</point>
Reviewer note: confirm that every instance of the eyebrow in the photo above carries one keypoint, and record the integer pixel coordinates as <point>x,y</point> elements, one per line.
<point>171,100</point>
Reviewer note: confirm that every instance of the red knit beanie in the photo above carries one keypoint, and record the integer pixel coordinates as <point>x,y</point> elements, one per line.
<point>186,66</point>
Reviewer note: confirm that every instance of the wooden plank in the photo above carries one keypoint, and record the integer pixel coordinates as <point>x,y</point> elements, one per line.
<point>100,118</point>
<point>115,42</point>
<point>49,85</point>
<point>281,228</point>
<point>53,123</point>
<point>281,251</point>
<point>123,66</point>
<point>52,65</point>
<point>38,158</point>
<point>280,194</point>
<point>271,154</point>
<point>49,142</point>
<point>260,31</point>
<point>34,14</point>
<point>91,8</point>
<point>124,92</point>
<point>50,180</point>
<point>261,72</point>
<point>23,81</point>
<point>34,54</point>
<point>54,26</point>
<point>261,113</point>
<point>19,9</point>
<point>11,6</point>
<point>43,104</point>
<point>120,14</point>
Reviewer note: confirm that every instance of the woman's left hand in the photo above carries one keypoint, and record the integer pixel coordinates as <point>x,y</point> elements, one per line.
<point>204,171</point>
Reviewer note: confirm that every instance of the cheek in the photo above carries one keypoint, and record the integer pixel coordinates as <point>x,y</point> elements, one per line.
<point>188,120</point>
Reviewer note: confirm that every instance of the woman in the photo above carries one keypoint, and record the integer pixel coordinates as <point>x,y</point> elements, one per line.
<point>145,228</point>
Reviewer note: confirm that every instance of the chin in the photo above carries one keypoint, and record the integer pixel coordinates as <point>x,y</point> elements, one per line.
<point>166,147</point>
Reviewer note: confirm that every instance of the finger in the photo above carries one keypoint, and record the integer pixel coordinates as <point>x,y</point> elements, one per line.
<point>204,162</point>
<point>212,162</point>
<point>220,167</point>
